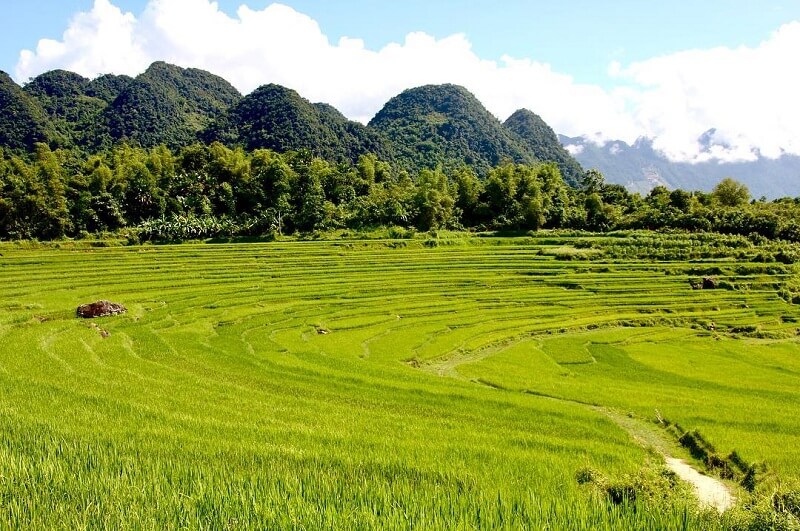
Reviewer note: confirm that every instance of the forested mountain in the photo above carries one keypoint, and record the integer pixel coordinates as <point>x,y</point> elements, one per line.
<point>56,84</point>
<point>278,118</point>
<point>425,127</point>
<point>107,87</point>
<point>164,105</point>
<point>541,141</point>
<point>23,123</point>
<point>357,139</point>
<point>640,168</point>
<point>71,111</point>
<point>446,125</point>
<point>177,153</point>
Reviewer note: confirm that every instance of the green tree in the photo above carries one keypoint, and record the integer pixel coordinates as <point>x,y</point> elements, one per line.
<point>730,193</point>
<point>467,189</point>
<point>51,176</point>
<point>500,191</point>
<point>309,200</point>
<point>142,198</point>
<point>272,181</point>
<point>228,171</point>
<point>599,216</point>
<point>432,201</point>
<point>528,208</point>
<point>555,195</point>
<point>34,197</point>
<point>593,181</point>
<point>681,200</point>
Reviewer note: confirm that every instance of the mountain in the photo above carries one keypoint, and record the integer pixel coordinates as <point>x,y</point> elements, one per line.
<point>278,118</point>
<point>421,128</point>
<point>63,97</point>
<point>22,120</point>
<point>107,87</point>
<point>447,125</point>
<point>640,167</point>
<point>164,105</point>
<point>57,84</point>
<point>542,143</point>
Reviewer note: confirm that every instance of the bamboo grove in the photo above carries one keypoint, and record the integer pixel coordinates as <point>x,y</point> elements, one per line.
<point>204,191</point>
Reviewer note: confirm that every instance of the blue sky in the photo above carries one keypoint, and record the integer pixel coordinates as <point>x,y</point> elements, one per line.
<point>578,37</point>
<point>623,69</point>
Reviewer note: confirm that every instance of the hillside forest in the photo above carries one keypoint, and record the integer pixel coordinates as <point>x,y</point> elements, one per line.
<point>179,154</point>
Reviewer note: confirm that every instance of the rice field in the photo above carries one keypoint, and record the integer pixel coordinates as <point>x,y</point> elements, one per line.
<point>388,384</point>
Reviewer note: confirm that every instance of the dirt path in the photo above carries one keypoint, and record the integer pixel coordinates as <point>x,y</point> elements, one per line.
<point>710,492</point>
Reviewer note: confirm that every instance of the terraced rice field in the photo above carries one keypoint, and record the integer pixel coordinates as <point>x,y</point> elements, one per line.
<point>381,384</point>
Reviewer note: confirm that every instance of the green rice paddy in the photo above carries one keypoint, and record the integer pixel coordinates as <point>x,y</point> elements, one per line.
<point>385,384</point>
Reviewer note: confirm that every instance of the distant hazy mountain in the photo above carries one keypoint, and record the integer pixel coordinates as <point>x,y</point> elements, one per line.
<point>640,168</point>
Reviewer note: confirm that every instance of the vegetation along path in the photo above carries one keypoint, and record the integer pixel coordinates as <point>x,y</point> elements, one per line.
<point>710,491</point>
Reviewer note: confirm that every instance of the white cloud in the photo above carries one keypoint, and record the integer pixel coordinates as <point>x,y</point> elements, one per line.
<point>746,94</point>
<point>279,45</point>
<point>101,41</point>
<point>575,149</point>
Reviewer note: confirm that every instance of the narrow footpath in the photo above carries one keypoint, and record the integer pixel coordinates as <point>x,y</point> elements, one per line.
<point>710,492</point>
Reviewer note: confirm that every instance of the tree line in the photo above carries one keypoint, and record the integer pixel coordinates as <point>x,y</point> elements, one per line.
<point>203,191</point>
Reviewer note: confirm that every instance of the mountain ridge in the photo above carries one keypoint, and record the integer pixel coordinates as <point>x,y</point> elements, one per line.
<point>423,127</point>
<point>540,139</point>
<point>166,105</point>
<point>23,122</point>
<point>446,125</point>
<point>279,118</point>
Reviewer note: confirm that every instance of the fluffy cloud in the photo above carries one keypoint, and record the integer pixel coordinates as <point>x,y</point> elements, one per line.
<point>745,94</point>
<point>101,41</point>
<point>280,45</point>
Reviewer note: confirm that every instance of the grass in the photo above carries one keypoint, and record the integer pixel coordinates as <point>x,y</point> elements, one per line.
<point>362,384</point>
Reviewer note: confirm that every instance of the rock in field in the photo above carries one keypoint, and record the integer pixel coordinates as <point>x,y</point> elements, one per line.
<point>705,283</point>
<point>100,309</point>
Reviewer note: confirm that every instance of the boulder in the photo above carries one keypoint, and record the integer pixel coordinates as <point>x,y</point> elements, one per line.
<point>100,309</point>
<point>709,283</point>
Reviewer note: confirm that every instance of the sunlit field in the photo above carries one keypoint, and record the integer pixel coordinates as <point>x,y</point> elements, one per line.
<point>452,382</point>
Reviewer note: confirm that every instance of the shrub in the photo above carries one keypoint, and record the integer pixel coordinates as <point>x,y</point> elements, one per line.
<point>620,493</point>
<point>586,475</point>
<point>787,502</point>
<point>749,480</point>
<point>694,443</point>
